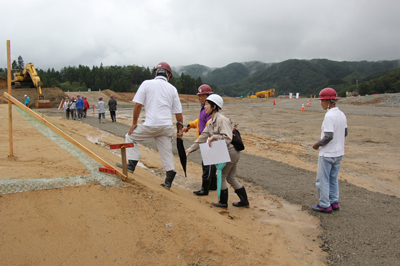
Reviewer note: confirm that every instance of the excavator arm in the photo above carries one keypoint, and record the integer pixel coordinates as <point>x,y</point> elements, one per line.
<point>29,76</point>
<point>30,71</point>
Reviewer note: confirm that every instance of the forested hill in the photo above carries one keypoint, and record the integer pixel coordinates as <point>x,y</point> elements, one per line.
<point>236,79</point>
<point>303,76</point>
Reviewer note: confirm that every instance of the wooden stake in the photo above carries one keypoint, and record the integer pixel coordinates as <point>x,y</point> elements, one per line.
<point>123,156</point>
<point>62,100</point>
<point>10,138</point>
<point>65,136</point>
<point>123,147</point>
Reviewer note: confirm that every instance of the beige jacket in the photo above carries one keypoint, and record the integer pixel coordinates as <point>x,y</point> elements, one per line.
<point>220,127</point>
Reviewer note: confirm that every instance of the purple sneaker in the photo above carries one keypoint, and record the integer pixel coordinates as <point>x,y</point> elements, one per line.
<point>318,208</point>
<point>335,206</point>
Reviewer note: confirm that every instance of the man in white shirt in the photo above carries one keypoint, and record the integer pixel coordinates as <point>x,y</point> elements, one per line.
<point>331,150</point>
<point>160,100</point>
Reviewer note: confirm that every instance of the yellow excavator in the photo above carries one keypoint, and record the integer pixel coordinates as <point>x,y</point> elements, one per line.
<point>263,94</point>
<point>29,78</point>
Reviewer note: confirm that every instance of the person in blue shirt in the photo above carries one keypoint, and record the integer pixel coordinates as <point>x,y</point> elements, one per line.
<point>27,101</point>
<point>79,106</point>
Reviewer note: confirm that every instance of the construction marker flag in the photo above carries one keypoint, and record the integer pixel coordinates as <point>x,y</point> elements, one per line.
<point>308,103</point>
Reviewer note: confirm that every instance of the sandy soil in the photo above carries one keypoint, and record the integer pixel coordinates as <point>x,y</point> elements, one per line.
<point>142,223</point>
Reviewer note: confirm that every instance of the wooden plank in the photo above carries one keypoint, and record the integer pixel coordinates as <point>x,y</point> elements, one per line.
<point>119,146</point>
<point>64,135</point>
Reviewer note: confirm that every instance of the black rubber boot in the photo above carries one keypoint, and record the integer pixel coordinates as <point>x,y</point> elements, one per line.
<point>223,200</point>
<point>241,192</point>
<point>213,185</point>
<point>169,179</point>
<point>131,166</point>
<point>203,191</point>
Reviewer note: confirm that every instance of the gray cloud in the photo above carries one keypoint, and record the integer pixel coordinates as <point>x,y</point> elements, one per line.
<point>212,33</point>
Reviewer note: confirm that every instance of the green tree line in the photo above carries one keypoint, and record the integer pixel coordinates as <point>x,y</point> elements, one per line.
<point>382,82</point>
<point>116,78</point>
<point>294,75</point>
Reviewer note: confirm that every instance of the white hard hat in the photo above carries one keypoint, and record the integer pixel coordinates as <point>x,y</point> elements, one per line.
<point>215,98</point>
<point>25,95</point>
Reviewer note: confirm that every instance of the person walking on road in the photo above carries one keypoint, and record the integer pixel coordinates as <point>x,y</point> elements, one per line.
<point>220,128</point>
<point>66,106</point>
<point>86,106</point>
<point>72,108</point>
<point>112,106</point>
<point>331,150</point>
<point>209,178</point>
<point>101,109</point>
<point>161,100</point>
<point>79,106</point>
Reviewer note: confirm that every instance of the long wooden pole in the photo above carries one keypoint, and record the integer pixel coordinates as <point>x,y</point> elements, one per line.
<point>10,139</point>
<point>64,135</point>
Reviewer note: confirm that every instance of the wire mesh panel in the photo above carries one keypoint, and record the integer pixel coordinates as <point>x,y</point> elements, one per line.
<point>21,185</point>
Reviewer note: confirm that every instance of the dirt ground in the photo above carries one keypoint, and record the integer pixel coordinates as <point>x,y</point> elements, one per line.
<point>141,223</point>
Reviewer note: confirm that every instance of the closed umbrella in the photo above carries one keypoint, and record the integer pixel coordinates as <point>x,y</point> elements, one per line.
<point>181,151</point>
<point>219,166</point>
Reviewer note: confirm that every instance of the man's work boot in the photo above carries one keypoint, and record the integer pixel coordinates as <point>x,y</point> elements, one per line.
<point>203,191</point>
<point>169,179</point>
<point>223,200</point>
<point>131,165</point>
<point>241,192</point>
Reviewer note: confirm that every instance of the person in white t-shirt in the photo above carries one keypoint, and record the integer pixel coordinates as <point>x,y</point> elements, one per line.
<point>160,100</point>
<point>331,150</point>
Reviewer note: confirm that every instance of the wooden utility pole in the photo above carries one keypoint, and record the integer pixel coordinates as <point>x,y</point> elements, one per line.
<point>10,139</point>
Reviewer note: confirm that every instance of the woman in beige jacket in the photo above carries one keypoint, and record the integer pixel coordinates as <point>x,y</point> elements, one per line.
<point>220,128</point>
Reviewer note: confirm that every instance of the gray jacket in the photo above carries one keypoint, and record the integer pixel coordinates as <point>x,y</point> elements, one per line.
<point>101,107</point>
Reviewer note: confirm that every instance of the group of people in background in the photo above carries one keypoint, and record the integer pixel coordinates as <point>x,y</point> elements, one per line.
<point>161,100</point>
<point>76,108</point>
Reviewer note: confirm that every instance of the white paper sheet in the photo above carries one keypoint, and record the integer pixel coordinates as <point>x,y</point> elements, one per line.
<point>217,153</point>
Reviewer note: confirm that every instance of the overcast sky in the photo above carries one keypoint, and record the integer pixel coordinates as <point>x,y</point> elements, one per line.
<point>214,33</point>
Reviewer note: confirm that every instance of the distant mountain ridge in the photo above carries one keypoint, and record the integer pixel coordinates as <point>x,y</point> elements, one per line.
<point>294,75</point>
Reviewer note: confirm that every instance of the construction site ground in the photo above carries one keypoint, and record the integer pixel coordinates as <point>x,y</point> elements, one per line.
<point>141,223</point>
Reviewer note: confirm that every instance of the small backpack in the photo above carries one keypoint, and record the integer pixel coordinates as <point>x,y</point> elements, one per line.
<point>237,140</point>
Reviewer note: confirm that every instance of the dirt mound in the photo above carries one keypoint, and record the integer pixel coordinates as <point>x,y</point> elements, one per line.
<point>55,95</point>
<point>387,99</point>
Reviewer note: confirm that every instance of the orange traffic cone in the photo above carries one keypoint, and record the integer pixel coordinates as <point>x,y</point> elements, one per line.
<point>302,107</point>
<point>274,102</point>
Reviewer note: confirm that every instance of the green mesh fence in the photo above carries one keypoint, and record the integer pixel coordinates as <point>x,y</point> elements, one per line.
<point>21,185</point>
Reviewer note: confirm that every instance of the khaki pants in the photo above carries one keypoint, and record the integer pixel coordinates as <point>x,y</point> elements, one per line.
<point>229,171</point>
<point>163,137</point>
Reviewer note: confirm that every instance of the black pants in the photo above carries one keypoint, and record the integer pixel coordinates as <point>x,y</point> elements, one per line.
<point>208,171</point>
<point>80,113</point>
<point>112,114</point>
